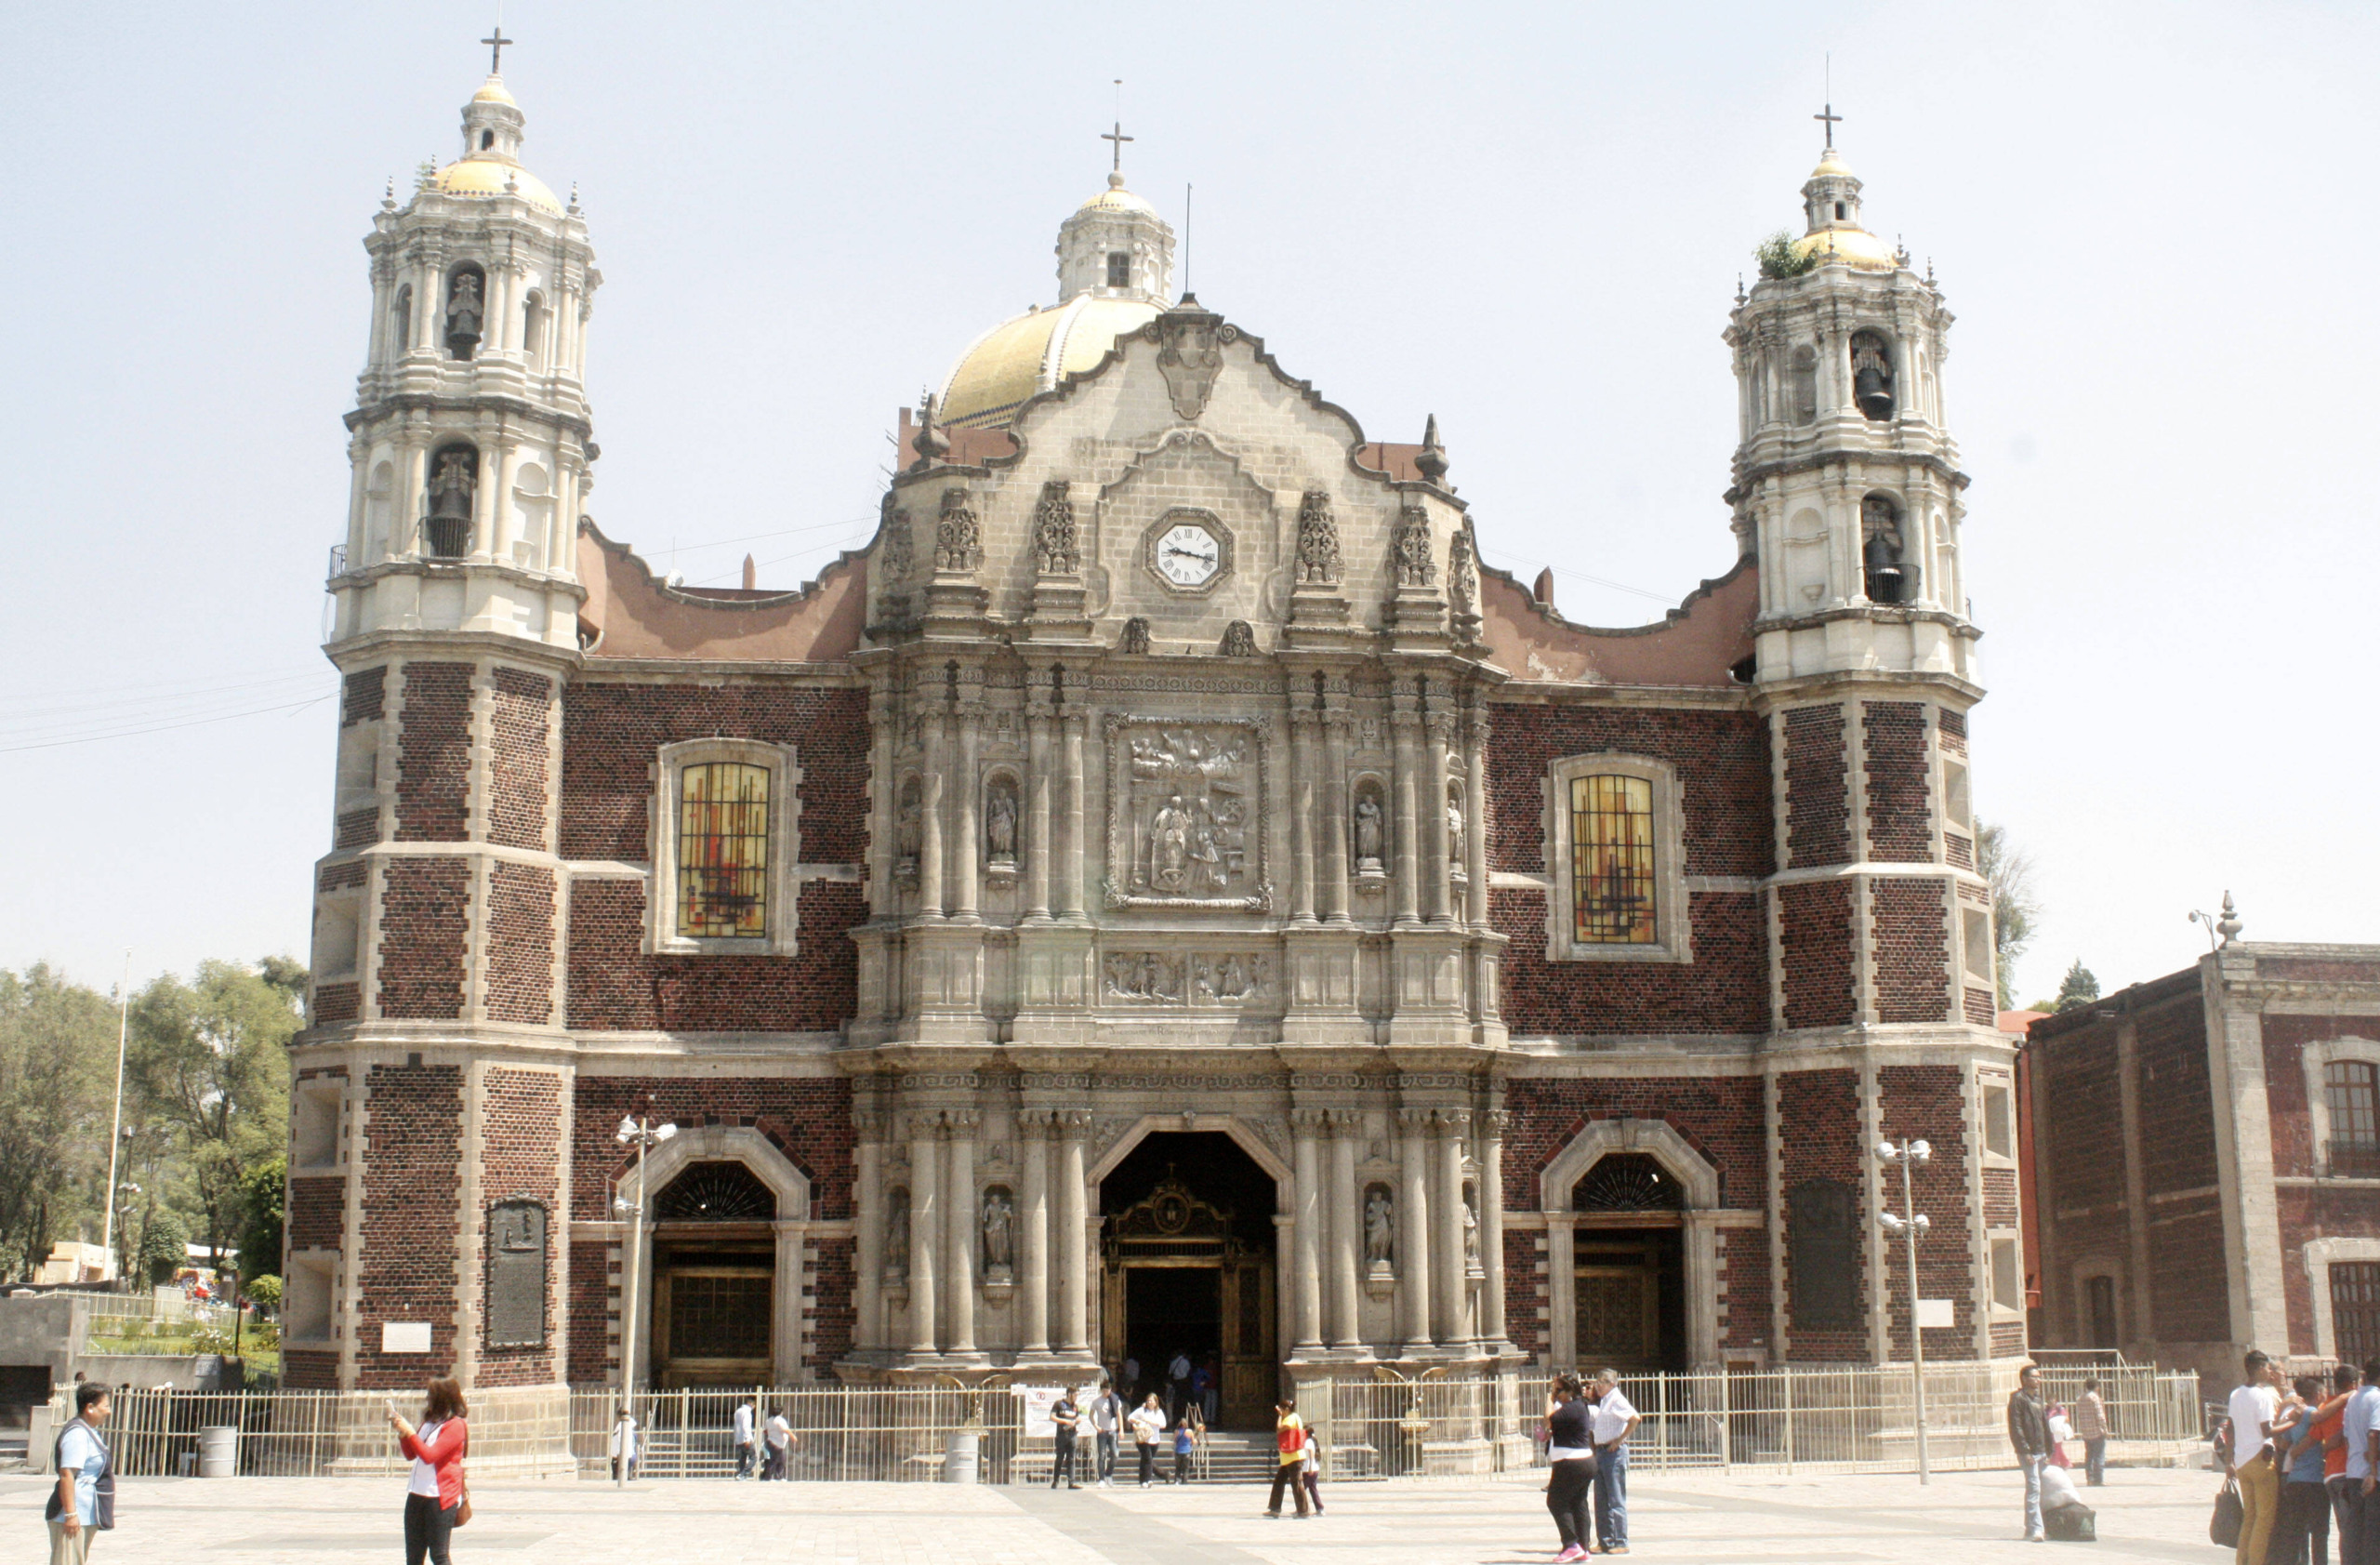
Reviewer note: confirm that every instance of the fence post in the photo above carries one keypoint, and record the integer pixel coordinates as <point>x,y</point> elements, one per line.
<point>1788,1420</point>
<point>1727,1430</point>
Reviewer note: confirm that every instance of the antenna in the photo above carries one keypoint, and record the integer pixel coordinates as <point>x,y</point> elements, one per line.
<point>1187,189</point>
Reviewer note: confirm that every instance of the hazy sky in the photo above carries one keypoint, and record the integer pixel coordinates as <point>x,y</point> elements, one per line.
<point>2156,224</point>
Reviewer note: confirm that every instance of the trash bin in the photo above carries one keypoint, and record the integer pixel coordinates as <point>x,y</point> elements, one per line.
<point>219,1451</point>
<point>959,1455</point>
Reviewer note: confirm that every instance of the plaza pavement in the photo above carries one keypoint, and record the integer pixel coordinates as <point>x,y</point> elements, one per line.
<point>2157,1516</point>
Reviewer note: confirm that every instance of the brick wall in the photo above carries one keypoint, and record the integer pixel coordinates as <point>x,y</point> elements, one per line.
<point>1912,948</point>
<point>1722,761</point>
<point>521,1116</point>
<point>338,877</point>
<point>2077,1074</point>
<point>422,932</point>
<point>592,1298</point>
<point>1721,1117</point>
<point>411,1173</point>
<point>521,942</point>
<point>520,711</point>
<point>2177,1105</point>
<point>361,695</point>
<point>808,1118</point>
<point>1900,816</point>
<point>834,1306</point>
<point>356,828</point>
<point>1927,1101</point>
<point>338,1002</point>
<point>1525,1290</point>
<point>613,985</point>
<point>309,1370</point>
<point>434,755</point>
<point>1816,917</point>
<point>1724,988</point>
<point>1745,1305</point>
<point>2322,1212</point>
<point>317,1213</point>
<point>1820,1138</point>
<point>1817,813</point>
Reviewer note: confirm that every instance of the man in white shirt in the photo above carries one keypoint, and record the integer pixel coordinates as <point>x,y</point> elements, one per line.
<point>1107,1417</point>
<point>1177,1382</point>
<point>2253,1407</point>
<point>780,1442</point>
<point>748,1448</point>
<point>1612,1422</point>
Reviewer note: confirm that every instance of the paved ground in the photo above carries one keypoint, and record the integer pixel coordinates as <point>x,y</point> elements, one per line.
<point>2144,1515</point>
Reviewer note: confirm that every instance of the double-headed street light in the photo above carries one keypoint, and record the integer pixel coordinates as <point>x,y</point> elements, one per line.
<point>644,1136</point>
<point>1908,1155</point>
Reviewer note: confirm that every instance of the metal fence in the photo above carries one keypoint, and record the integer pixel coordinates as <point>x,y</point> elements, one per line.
<point>841,1433</point>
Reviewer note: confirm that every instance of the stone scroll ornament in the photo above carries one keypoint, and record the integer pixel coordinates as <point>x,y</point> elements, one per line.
<point>1415,563</point>
<point>1190,344</point>
<point>1318,540</point>
<point>956,535</point>
<point>1053,531</point>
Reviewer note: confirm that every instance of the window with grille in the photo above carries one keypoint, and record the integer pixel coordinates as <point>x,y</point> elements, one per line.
<point>1119,269</point>
<point>1611,860</point>
<point>718,1314</point>
<point>722,850</point>
<point>2355,1310</point>
<point>2351,1094</point>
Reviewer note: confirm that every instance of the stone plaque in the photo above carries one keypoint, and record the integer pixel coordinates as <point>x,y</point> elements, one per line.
<point>516,1275</point>
<point>1823,1228</point>
<point>1185,814</point>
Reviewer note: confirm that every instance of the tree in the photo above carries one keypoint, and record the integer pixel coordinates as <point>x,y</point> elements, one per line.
<point>262,1194</point>
<point>57,1078</point>
<point>2078,989</point>
<point>210,1061</point>
<point>2014,906</point>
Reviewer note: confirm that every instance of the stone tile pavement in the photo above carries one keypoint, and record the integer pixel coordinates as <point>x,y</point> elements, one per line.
<point>1703,1519</point>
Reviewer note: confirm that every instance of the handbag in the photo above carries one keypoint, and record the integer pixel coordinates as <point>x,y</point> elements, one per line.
<point>463,1507</point>
<point>2222,1530</point>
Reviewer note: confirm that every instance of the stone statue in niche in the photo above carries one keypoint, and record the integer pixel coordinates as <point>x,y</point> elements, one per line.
<point>1463,577</point>
<point>464,311</point>
<point>1368,833</point>
<point>1454,828</point>
<point>1470,1228</point>
<point>1053,531</point>
<point>910,828</point>
<point>1136,636</point>
<point>1414,566</point>
<point>1239,640</point>
<point>896,1236</point>
<point>999,823</point>
<point>957,537</point>
<point>452,489</point>
<point>1318,540</point>
<point>1379,1229</point>
<point>1000,1216</point>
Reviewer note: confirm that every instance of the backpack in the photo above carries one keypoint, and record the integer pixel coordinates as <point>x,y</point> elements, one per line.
<point>2073,1524</point>
<point>102,1489</point>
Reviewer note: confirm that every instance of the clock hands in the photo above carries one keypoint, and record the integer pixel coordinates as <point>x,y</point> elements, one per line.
<point>1190,554</point>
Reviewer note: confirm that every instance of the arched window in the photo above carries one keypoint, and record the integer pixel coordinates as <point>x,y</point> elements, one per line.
<point>1872,374</point>
<point>2351,1093</point>
<point>487,139</point>
<point>721,1192</point>
<point>722,850</point>
<point>1883,550</point>
<point>1805,384</point>
<point>1119,269</point>
<point>454,491</point>
<point>1628,1182</point>
<point>466,309</point>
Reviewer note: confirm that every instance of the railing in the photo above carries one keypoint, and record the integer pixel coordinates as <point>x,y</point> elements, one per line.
<point>841,1433</point>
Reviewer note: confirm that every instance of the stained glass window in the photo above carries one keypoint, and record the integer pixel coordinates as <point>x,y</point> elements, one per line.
<point>722,850</point>
<point>1611,860</point>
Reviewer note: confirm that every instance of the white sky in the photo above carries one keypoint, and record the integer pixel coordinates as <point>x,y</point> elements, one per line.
<point>2156,222</point>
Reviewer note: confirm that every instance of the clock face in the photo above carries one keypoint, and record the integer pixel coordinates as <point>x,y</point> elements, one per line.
<point>1189,555</point>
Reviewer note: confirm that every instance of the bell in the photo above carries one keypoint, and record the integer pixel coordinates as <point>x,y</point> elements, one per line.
<point>1882,569</point>
<point>1873,389</point>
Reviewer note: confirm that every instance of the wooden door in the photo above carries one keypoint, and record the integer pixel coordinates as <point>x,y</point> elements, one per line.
<point>1620,1317</point>
<point>1251,1362</point>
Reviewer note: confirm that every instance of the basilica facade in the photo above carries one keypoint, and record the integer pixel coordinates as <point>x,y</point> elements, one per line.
<point>1164,893</point>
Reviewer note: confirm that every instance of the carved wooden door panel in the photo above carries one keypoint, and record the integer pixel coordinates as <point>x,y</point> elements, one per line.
<point>1619,1320</point>
<point>1252,1366</point>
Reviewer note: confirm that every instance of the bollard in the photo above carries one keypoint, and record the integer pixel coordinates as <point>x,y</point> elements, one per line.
<point>218,1452</point>
<point>959,1454</point>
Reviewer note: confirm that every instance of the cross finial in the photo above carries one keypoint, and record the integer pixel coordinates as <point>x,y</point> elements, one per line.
<point>496,43</point>
<point>1117,137</point>
<point>1831,119</point>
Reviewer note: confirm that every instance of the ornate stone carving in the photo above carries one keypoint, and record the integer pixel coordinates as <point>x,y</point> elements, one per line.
<point>1370,830</point>
<point>931,445</point>
<point>999,1219</point>
<point>957,537</point>
<point>1184,802</point>
<point>516,1275</point>
<point>1230,979</point>
<point>1239,640</point>
<point>1462,576</point>
<point>1173,978</point>
<point>1190,345</point>
<point>896,1236</point>
<point>896,557</point>
<point>1416,565</point>
<point>1136,636</point>
<point>1431,460</point>
<point>1053,531</point>
<point>1145,976</point>
<point>1317,540</point>
<point>1379,1229</point>
<point>909,829</point>
<point>999,825</point>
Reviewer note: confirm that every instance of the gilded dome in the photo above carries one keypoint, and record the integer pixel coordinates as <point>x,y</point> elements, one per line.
<point>1855,246</point>
<point>1034,353</point>
<point>479,176</point>
<point>1115,198</point>
<point>492,92</point>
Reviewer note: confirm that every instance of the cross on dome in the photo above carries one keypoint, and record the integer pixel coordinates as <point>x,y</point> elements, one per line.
<point>1831,119</point>
<point>496,43</point>
<point>1117,137</point>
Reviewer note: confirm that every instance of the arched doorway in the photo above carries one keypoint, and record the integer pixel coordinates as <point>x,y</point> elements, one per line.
<point>714,1278</point>
<point>1629,1254</point>
<point>1189,1268</point>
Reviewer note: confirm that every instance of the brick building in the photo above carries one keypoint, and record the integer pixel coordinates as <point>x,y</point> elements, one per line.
<point>2206,1161</point>
<point>1163,892</point>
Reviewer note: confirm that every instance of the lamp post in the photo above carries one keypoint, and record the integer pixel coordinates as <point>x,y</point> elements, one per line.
<point>127,1197</point>
<point>1908,1155</point>
<point>644,1136</point>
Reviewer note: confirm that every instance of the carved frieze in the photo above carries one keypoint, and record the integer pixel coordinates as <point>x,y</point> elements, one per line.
<point>958,539</point>
<point>1187,978</point>
<point>1185,814</point>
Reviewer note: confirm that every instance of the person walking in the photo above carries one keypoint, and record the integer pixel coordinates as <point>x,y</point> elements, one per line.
<point>1177,1383</point>
<point>1289,1442</point>
<point>1570,1454</point>
<point>2091,1428</point>
<point>625,1444</point>
<point>82,1503</point>
<point>1615,1420</point>
<point>1148,1423</point>
<point>1107,1419</point>
<point>2029,1434</point>
<point>435,1492</point>
<point>2298,1454</point>
<point>1186,1446</point>
<point>1063,1416</point>
<point>2359,1438</point>
<point>780,1440</point>
<point>1310,1470</point>
<point>2255,1405</point>
<point>747,1444</point>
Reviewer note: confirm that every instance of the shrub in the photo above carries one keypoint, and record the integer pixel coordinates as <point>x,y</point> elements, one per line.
<point>265,1291</point>
<point>1777,257</point>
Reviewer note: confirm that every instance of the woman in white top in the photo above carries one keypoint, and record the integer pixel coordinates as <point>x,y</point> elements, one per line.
<point>1148,1423</point>
<point>434,1495</point>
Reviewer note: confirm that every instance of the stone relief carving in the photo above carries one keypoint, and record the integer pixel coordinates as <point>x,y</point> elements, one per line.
<point>1199,978</point>
<point>1136,635</point>
<point>1229,977</point>
<point>1190,345</point>
<point>1416,565</point>
<point>1185,801</point>
<point>1239,640</point>
<point>909,829</point>
<point>999,823</point>
<point>1143,976</point>
<point>897,556</point>
<point>1317,540</point>
<point>1463,577</point>
<point>1053,531</point>
<point>957,537</point>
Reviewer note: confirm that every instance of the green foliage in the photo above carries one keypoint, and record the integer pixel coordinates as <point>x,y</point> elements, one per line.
<point>2078,989</point>
<point>57,1081</point>
<point>265,1291</point>
<point>262,1192</point>
<point>1778,258</point>
<point>162,1252</point>
<point>2016,909</point>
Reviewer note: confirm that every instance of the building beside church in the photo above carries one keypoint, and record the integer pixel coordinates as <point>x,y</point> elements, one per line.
<point>1164,892</point>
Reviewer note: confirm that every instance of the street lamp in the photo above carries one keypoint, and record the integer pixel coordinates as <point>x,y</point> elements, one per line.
<point>644,1136</point>
<point>1909,1154</point>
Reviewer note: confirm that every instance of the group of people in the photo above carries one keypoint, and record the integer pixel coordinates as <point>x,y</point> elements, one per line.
<point>763,1445</point>
<point>2038,1430</point>
<point>1587,1426</point>
<point>1151,1431</point>
<point>1188,1384</point>
<point>2304,1454</point>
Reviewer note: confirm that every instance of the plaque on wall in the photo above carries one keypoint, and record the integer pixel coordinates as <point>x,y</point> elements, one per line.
<point>1185,814</point>
<point>1824,1235</point>
<point>516,1275</point>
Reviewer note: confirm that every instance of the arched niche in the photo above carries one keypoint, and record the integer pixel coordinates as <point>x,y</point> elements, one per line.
<point>1659,1142</point>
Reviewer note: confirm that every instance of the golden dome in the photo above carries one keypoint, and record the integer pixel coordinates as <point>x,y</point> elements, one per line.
<point>492,92</point>
<point>1857,247</point>
<point>481,177</point>
<point>1115,198</point>
<point>1034,353</point>
<point>1832,167</point>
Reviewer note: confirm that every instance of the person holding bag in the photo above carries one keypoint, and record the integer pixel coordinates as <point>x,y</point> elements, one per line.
<point>437,1498</point>
<point>1571,1449</point>
<point>83,1502</point>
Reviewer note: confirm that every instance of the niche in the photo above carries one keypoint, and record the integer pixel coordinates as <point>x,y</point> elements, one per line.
<point>999,826</point>
<point>1883,552</point>
<point>532,327</point>
<point>1804,388</point>
<point>1371,832</point>
<point>466,309</point>
<point>534,506</point>
<point>998,1221</point>
<point>1455,824</point>
<point>453,485</point>
<point>908,830</point>
<point>896,1236</point>
<point>380,501</point>
<point>402,320</point>
<point>1872,374</point>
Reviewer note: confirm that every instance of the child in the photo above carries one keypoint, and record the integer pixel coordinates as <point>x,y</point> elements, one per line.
<point>1310,1471</point>
<point>1184,1444</point>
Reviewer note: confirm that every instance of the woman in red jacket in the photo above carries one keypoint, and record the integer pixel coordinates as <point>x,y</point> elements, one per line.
<point>435,1492</point>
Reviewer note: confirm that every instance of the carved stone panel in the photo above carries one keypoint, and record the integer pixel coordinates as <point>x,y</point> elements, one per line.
<point>1191,978</point>
<point>1186,804</point>
<point>1823,1229</point>
<point>516,1275</point>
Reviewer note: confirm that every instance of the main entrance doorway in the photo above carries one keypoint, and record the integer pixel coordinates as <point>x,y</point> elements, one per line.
<point>1630,1249</point>
<point>1189,1270</point>
<point>714,1279</point>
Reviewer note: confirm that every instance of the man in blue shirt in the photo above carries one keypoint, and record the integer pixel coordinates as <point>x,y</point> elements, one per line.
<point>2356,1427</point>
<point>73,1511</point>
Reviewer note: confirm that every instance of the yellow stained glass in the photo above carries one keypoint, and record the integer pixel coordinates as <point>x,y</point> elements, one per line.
<point>1611,860</point>
<point>722,850</point>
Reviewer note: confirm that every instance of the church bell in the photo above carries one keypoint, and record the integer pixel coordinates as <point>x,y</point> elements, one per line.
<point>1872,388</point>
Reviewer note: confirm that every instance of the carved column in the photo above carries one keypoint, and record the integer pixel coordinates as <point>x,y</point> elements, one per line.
<point>1436,852</point>
<point>1037,808</point>
<point>1407,847</point>
<point>1346,1229</point>
<point>868,1254</point>
<point>959,1227</point>
<point>1449,1284</point>
<point>1070,853</point>
<point>1413,1277</point>
<point>1032,1150</point>
<point>1301,866</point>
<point>1474,846</point>
<point>966,828</point>
<point>884,846</point>
<point>1334,816</point>
<point>925,1228</point>
<point>1492,1125</point>
<point>930,886</point>
<point>1306,1125</point>
<point>1074,1265</point>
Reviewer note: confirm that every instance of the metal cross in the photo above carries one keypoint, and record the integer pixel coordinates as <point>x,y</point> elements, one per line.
<point>1117,137</point>
<point>496,51</point>
<point>1831,119</point>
